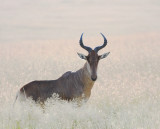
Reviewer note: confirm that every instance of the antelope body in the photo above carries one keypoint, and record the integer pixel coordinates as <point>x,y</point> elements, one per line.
<point>71,85</point>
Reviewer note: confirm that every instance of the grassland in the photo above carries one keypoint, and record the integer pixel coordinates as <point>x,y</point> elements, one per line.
<point>125,96</point>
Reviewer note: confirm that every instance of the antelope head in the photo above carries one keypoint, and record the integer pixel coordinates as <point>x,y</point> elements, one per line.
<point>93,58</point>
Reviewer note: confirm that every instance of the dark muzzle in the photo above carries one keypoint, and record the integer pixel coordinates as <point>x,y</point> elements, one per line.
<point>94,78</point>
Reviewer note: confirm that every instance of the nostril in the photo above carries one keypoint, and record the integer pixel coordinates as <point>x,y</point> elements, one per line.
<point>94,78</point>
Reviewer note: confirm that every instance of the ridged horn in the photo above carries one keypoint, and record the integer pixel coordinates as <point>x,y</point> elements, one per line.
<point>82,45</point>
<point>104,44</point>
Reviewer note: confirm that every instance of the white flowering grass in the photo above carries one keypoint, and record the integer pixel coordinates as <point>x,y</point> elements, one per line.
<point>125,96</point>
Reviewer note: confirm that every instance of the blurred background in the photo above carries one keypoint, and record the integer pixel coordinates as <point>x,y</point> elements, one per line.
<point>22,20</point>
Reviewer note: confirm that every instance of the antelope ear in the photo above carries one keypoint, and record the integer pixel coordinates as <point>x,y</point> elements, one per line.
<point>82,56</point>
<point>104,55</point>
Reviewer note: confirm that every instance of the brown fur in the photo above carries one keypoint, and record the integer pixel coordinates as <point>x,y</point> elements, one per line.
<point>71,85</point>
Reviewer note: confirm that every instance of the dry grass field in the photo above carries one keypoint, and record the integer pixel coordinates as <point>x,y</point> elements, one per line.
<point>126,94</point>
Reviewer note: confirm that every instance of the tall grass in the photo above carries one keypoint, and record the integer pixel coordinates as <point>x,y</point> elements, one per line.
<point>125,96</point>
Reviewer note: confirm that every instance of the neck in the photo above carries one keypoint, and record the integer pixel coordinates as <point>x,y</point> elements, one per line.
<point>88,83</point>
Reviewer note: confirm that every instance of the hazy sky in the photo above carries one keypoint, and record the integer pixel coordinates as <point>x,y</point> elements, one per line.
<point>22,20</point>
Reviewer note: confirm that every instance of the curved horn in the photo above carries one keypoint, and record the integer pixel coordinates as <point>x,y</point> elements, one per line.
<point>104,44</point>
<point>82,45</point>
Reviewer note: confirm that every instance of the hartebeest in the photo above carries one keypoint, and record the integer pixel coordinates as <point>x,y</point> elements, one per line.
<point>71,85</point>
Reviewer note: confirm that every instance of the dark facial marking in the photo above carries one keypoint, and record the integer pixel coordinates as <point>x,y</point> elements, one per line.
<point>93,60</point>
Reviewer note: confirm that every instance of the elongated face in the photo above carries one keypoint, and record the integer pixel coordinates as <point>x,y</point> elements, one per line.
<point>93,60</point>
